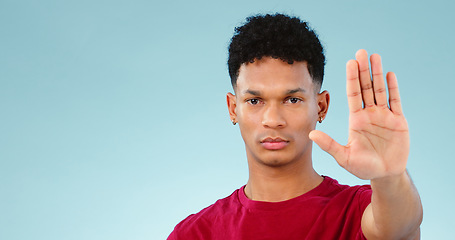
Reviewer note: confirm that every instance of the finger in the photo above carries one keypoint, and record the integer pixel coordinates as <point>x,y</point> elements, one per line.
<point>380,94</point>
<point>365,79</point>
<point>326,143</point>
<point>353,86</point>
<point>394,94</point>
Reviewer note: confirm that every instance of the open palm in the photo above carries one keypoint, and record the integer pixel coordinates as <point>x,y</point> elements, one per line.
<point>378,143</point>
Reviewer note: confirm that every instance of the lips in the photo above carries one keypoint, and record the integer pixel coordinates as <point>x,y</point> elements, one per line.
<point>274,143</point>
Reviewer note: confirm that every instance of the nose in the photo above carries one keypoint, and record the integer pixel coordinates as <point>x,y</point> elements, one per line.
<point>273,117</point>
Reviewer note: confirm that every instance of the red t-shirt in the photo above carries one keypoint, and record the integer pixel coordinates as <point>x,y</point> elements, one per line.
<point>329,211</point>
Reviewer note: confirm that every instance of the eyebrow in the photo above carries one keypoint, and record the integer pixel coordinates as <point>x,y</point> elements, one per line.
<point>295,91</point>
<point>258,93</point>
<point>252,92</point>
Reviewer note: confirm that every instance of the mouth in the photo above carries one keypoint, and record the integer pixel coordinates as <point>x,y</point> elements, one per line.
<point>274,143</point>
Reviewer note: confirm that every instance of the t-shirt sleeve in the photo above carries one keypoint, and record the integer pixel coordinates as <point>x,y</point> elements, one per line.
<point>364,199</point>
<point>172,236</point>
<point>194,227</point>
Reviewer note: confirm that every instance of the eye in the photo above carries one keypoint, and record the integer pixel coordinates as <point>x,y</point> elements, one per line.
<point>293,100</point>
<point>253,101</point>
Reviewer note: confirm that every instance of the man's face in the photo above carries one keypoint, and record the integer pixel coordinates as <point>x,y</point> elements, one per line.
<point>276,105</point>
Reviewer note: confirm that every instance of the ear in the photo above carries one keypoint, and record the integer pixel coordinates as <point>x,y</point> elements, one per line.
<point>231,104</point>
<point>323,103</point>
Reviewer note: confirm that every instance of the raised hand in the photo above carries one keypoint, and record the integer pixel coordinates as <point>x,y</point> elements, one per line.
<point>378,143</point>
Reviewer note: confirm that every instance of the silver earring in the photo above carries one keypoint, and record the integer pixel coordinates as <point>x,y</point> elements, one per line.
<point>233,122</point>
<point>320,119</point>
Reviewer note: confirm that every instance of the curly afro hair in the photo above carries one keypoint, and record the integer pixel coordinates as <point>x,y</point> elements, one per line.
<point>277,36</point>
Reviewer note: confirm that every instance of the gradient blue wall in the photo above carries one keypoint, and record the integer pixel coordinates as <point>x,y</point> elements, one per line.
<point>113,122</point>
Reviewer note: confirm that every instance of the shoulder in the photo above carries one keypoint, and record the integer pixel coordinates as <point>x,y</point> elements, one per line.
<point>199,225</point>
<point>335,187</point>
<point>342,210</point>
<point>358,195</point>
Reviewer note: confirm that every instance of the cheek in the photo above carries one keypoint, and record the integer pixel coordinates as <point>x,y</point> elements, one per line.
<point>304,126</point>
<point>304,121</point>
<point>249,122</point>
<point>313,112</point>
<point>247,116</point>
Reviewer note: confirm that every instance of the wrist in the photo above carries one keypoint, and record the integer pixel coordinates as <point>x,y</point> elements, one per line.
<point>390,182</point>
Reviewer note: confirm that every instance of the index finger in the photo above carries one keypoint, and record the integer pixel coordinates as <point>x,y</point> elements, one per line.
<point>394,94</point>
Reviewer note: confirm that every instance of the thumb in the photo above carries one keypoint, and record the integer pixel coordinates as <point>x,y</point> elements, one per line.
<point>326,143</point>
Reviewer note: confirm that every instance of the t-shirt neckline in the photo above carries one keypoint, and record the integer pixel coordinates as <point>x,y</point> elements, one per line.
<point>271,206</point>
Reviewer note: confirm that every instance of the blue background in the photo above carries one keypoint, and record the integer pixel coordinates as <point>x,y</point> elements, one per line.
<point>113,121</point>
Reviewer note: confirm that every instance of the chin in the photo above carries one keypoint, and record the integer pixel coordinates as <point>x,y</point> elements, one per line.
<point>275,162</point>
<point>272,158</point>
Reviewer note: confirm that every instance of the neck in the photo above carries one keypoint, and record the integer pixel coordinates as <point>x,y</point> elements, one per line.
<point>275,184</point>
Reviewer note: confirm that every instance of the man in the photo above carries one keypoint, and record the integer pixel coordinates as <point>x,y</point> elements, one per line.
<point>276,65</point>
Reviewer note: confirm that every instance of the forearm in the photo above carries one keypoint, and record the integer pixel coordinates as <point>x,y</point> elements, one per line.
<point>395,210</point>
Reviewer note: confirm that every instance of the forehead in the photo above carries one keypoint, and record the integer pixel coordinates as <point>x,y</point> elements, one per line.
<point>269,74</point>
